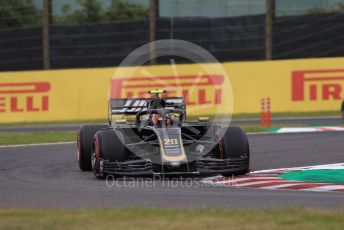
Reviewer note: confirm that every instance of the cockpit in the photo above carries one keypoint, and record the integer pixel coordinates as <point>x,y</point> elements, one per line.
<point>160,118</point>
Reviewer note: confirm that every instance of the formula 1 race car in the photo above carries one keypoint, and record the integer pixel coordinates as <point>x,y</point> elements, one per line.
<point>159,141</point>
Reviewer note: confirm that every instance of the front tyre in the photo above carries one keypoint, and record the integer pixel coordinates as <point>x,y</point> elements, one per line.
<point>107,146</point>
<point>84,145</point>
<point>234,145</point>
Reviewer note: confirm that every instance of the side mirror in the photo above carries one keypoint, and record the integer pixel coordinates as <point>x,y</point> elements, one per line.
<point>121,121</point>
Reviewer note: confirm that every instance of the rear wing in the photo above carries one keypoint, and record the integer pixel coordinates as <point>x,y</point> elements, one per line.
<point>131,106</point>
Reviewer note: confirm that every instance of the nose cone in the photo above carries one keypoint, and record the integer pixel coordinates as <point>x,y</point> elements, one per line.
<point>175,164</point>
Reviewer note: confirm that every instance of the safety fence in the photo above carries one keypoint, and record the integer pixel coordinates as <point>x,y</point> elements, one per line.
<point>239,38</point>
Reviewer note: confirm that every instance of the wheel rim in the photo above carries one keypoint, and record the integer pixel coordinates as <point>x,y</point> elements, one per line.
<point>95,157</point>
<point>78,150</point>
<point>221,144</point>
<point>93,160</point>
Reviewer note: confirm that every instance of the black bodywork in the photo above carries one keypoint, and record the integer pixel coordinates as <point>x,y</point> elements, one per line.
<point>186,148</point>
<point>202,153</point>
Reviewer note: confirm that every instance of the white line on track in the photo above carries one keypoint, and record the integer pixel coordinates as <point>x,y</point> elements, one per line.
<point>251,183</point>
<point>280,186</point>
<point>325,188</point>
<point>39,144</point>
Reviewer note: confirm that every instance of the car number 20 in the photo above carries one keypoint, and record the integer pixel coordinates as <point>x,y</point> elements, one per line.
<point>170,141</point>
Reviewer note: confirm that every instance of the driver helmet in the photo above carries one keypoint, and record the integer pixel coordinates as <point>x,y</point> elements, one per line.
<point>156,118</point>
<point>168,120</point>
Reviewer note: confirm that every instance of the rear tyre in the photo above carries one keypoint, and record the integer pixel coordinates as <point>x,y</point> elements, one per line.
<point>107,146</point>
<point>84,145</point>
<point>234,144</point>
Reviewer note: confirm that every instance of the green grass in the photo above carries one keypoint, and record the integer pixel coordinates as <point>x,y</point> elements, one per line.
<point>13,138</point>
<point>153,218</point>
<point>288,114</point>
<point>256,128</point>
<point>190,117</point>
<point>28,137</point>
<point>248,128</point>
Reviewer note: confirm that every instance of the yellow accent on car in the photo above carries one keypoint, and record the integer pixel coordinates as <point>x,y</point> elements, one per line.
<point>155,91</point>
<point>203,119</point>
<point>121,121</point>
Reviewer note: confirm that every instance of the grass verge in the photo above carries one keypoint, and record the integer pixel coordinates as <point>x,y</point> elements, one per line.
<point>153,218</point>
<point>13,138</point>
<point>28,137</point>
<point>288,114</point>
<point>253,128</point>
<point>190,117</point>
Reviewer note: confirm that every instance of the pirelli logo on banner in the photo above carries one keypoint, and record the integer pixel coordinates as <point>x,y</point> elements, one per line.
<point>24,97</point>
<point>318,85</point>
<point>196,89</point>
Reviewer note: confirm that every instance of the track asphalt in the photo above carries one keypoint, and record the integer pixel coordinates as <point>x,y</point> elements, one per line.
<point>47,176</point>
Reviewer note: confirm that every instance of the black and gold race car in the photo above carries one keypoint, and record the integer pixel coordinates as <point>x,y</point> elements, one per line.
<point>159,141</point>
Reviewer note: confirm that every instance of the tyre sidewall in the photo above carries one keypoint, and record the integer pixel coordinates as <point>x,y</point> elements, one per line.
<point>84,145</point>
<point>233,143</point>
<point>107,146</point>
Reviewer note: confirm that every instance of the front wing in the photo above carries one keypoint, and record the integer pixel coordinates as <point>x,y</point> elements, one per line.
<point>202,166</point>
